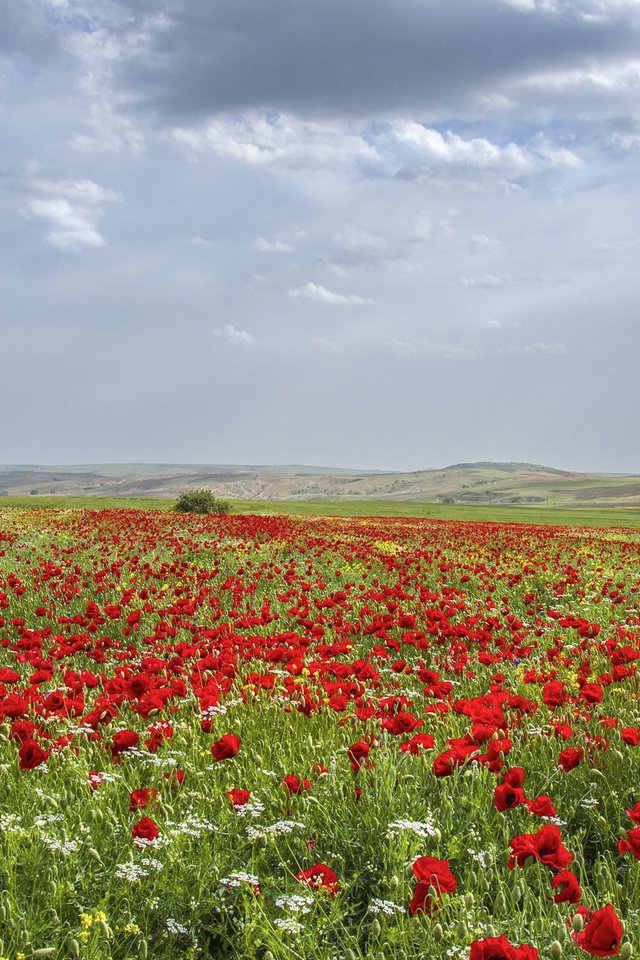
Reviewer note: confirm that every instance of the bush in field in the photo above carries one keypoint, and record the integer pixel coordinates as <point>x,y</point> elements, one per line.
<point>200,501</point>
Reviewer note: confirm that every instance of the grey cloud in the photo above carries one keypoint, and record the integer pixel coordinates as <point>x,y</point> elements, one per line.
<point>361,57</point>
<point>26,31</point>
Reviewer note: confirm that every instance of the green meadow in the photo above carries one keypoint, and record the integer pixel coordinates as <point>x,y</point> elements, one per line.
<point>628,517</point>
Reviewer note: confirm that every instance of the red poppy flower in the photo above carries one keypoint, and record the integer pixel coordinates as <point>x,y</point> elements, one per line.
<point>506,797</point>
<point>22,730</point>
<point>320,877</point>
<point>514,777</point>
<point>237,797</point>
<point>141,798</point>
<point>358,753</point>
<point>418,743</point>
<point>634,813</point>
<point>95,779</point>
<point>631,844</point>
<point>421,902</point>
<point>145,829</point>
<point>545,846</point>
<point>293,784</point>
<point>602,934</point>
<point>631,736</point>
<point>569,888</point>
<point>225,747</point>
<point>591,693</point>
<point>541,807</point>
<point>175,778</point>
<point>499,948</point>
<point>435,872</point>
<point>570,758</point>
<point>403,722</point>
<point>124,740</point>
<point>430,873</point>
<point>31,755</point>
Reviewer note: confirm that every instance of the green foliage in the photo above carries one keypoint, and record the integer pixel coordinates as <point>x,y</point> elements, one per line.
<point>200,501</point>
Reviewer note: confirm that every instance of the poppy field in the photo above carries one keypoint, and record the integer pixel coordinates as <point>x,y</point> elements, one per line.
<point>328,738</point>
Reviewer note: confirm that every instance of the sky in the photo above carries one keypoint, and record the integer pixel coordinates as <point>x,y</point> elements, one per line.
<point>392,234</point>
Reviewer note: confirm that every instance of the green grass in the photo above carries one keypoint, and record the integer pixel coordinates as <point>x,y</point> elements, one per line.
<point>547,515</point>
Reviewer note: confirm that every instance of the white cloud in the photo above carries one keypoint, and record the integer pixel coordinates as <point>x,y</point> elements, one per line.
<point>403,148</point>
<point>486,281</point>
<point>554,348</point>
<point>315,291</point>
<point>231,334</point>
<point>71,208</point>
<point>274,246</point>
<point>494,324</point>
<point>201,242</point>
<point>411,149</point>
<point>260,140</point>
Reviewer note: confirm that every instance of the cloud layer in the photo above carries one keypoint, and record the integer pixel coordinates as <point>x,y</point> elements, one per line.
<point>386,233</point>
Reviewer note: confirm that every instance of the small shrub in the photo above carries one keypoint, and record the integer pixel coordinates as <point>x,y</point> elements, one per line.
<point>200,501</point>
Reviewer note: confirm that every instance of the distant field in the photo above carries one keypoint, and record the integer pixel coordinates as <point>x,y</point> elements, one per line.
<point>628,517</point>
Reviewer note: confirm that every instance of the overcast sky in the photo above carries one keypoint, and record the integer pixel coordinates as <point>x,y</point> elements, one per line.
<point>367,233</point>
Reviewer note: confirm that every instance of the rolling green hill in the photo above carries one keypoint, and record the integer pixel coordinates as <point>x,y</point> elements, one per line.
<point>486,482</point>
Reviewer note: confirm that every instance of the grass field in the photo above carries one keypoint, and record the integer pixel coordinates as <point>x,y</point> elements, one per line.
<point>628,517</point>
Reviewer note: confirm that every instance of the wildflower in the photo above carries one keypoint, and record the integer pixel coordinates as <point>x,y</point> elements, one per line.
<point>602,933</point>
<point>226,747</point>
<point>320,877</point>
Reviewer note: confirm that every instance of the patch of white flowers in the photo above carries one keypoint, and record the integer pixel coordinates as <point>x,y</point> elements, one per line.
<point>237,879</point>
<point>385,906</point>
<point>252,809</point>
<point>422,829</point>
<point>65,847</point>
<point>288,924</point>
<point>295,903</point>
<point>11,823</point>
<point>274,830</point>
<point>190,825</point>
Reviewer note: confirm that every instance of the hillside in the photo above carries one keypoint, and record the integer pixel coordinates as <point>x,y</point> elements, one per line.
<point>484,482</point>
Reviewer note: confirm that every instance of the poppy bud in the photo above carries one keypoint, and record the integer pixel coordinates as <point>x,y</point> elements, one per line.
<point>376,929</point>
<point>394,883</point>
<point>438,932</point>
<point>626,951</point>
<point>104,929</point>
<point>469,900</point>
<point>461,930</point>
<point>555,950</point>
<point>577,923</point>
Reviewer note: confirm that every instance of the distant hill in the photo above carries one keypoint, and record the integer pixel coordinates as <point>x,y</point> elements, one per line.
<point>482,482</point>
<point>509,467</point>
